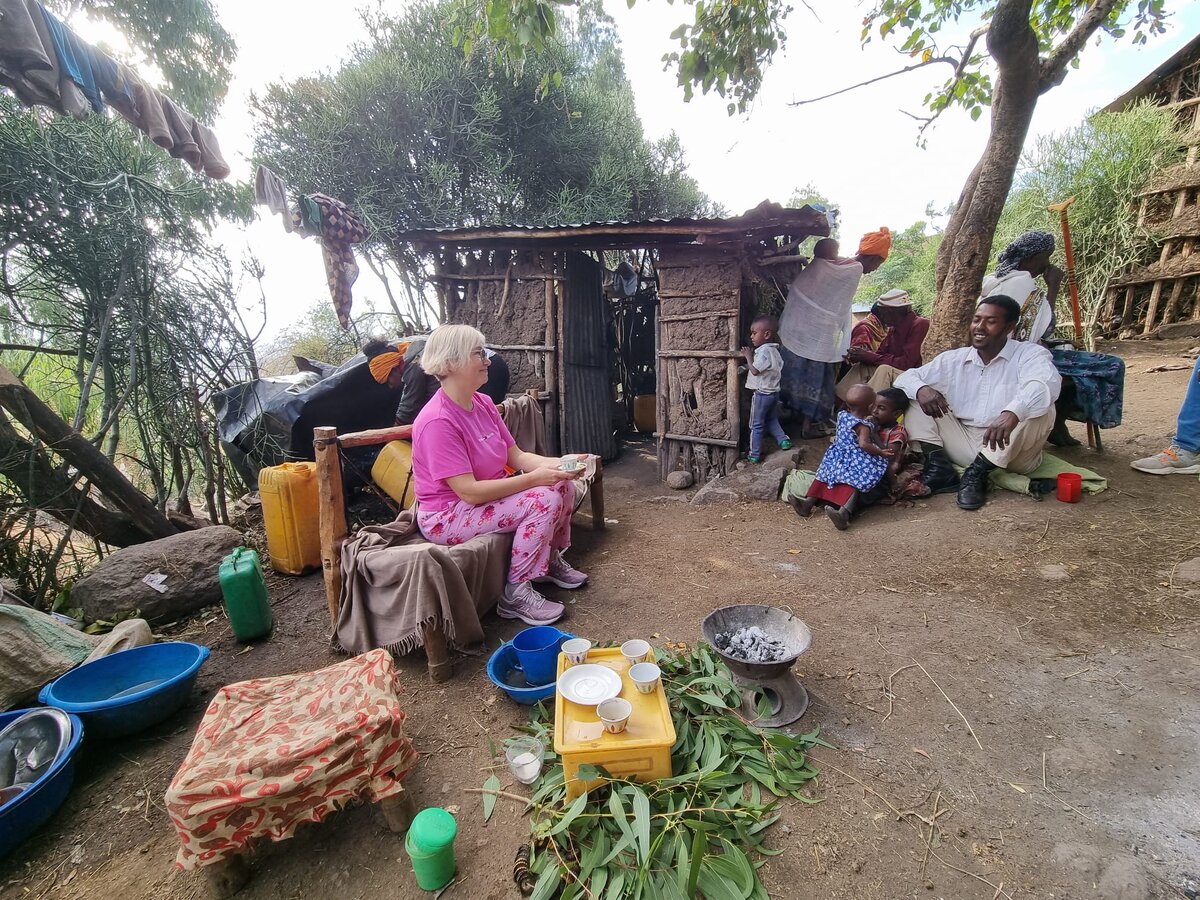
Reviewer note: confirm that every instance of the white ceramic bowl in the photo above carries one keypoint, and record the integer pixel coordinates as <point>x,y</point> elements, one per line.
<point>635,651</point>
<point>576,650</point>
<point>645,677</point>
<point>615,713</point>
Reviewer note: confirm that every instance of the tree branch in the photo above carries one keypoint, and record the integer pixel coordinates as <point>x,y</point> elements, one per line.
<point>30,348</point>
<point>1054,66</point>
<point>928,62</point>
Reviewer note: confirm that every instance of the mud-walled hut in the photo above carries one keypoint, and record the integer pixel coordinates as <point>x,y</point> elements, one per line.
<point>597,344</point>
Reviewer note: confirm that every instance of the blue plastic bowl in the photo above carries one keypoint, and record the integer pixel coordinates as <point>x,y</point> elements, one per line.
<point>504,668</point>
<point>26,812</point>
<point>128,691</point>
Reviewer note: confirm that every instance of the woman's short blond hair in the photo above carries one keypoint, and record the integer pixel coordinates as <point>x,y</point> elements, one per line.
<point>449,348</point>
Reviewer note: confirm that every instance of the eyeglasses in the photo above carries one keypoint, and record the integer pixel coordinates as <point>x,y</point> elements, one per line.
<point>479,354</point>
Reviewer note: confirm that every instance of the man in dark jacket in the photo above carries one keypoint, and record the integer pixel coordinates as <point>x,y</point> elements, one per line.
<point>399,367</point>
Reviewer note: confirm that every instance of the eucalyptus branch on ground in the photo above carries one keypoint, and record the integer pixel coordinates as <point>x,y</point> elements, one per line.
<point>700,831</point>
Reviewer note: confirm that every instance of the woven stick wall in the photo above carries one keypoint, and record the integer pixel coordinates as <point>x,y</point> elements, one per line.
<point>1167,290</point>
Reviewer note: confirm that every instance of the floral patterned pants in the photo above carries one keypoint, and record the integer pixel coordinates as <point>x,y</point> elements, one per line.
<point>539,518</point>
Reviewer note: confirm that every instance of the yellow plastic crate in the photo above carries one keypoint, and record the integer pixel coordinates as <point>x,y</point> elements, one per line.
<point>641,752</point>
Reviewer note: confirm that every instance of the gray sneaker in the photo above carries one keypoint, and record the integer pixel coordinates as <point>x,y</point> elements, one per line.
<point>521,601</point>
<point>1172,461</point>
<point>562,574</point>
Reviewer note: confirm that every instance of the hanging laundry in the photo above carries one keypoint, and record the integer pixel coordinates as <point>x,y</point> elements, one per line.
<point>271,191</point>
<point>166,123</point>
<point>340,229</point>
<point>45,63</point>
<point>29,63</point>
<point>76,57</point>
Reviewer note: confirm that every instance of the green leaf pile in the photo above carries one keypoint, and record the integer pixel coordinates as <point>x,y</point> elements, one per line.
<point>699,832</point>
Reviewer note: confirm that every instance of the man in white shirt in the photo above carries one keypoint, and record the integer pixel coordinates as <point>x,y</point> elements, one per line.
<point>986,406</point>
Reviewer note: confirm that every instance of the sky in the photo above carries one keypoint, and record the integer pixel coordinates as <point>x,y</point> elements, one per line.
<point>860,149</point>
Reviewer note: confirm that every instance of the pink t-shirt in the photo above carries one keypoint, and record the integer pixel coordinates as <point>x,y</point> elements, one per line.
<point>449,440</point>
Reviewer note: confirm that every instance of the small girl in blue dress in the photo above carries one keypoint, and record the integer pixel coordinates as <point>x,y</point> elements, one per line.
<point>852,470</point>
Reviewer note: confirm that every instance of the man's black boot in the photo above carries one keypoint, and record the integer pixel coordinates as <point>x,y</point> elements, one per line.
<point>938,474</point>
<point>972,492</point>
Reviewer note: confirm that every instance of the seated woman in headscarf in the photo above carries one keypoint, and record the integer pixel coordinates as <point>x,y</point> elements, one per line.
<point>814,329</point>
<point>399,367</point>
<point>1093,383</point>
<point>878,363</point>
<point>460,450</point>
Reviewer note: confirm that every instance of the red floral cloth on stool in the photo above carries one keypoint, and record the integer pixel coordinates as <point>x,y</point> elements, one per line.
<point>274,753</point>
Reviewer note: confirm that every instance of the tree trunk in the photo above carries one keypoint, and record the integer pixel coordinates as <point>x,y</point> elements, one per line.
<point>1023,77</point>
<point>48,427</point>
<point>54,492</point>
<point>967,244</point>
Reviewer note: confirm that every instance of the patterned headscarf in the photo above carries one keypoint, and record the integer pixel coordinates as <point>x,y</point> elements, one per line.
<point>381,365</point>
<point>1031,243</point>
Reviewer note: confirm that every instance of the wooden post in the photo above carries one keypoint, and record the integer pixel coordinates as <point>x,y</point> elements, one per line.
<point>437,652</point>
<point>227,877</point>
<point>1152,307</point>
<point>333,515</point>
<point>562,365</point>
<point>550,363</point>
<point>398,811</point>
<point>596,494</point>
<point>662,393</point>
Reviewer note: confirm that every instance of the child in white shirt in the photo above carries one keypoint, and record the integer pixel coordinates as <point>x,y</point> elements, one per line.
<point>766,367</point>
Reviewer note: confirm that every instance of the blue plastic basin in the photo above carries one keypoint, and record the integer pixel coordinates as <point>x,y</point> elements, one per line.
<point>128,691</point>
<point>26,812</point>
<point>504,669</point>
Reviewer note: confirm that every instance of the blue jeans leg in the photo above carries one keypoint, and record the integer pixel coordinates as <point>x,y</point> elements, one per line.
<point>764,414</point>
<point>1187,430</point>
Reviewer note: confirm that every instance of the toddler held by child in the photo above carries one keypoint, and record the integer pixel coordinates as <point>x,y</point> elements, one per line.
<point>851,474</point>
<point>766,367</point>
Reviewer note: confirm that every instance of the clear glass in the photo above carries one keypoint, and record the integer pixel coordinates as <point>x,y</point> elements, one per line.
<point>524,756</point>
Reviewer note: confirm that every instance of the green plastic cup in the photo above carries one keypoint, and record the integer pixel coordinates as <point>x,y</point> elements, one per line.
<point>430,846</point>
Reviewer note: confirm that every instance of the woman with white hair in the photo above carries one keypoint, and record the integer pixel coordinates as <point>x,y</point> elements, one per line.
<point>460,450</point>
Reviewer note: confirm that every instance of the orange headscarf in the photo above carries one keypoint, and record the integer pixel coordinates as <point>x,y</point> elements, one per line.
<point>381,366</point>
<point>876,243</point>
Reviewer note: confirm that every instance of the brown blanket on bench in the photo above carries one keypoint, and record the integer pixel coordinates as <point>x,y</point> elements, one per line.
<point>394,581</point>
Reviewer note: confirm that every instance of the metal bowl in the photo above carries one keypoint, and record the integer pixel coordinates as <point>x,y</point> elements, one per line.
<point>31,745</point>
<point>778,623</point>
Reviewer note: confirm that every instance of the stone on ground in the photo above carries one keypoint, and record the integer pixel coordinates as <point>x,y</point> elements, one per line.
<point>680,481</point>
<point>1056,572</point>
<point>1188,572</point>
<point>190,561</point>
<point>754,482</point>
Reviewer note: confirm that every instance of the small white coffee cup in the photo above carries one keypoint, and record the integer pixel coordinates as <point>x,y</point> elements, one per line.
<point>576,650</point>
<point>615,713</point>
<point>645,677</point>
<point>635,651</point>
<point>571,464</point>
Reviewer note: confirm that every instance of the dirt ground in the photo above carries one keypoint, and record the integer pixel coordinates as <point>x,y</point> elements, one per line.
<point>1038,738</point>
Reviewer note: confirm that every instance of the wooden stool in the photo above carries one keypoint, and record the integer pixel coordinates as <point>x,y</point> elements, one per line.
<point>274,753</point>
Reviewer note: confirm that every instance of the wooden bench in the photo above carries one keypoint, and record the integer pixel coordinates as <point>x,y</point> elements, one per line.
<point>334,530</point>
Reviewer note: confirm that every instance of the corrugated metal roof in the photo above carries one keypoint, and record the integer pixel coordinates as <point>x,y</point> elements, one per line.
<point>765,219</point>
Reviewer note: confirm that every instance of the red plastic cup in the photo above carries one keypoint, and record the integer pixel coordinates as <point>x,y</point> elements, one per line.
<point>1070,487</point>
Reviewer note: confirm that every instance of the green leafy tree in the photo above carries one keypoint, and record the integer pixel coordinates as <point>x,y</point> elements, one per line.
<point>1003,55</point>
<point>415,132</point>
<point>183,39</point>
<point>1104,163</point>
<point>114,305</point>
<point>1014,52</point>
